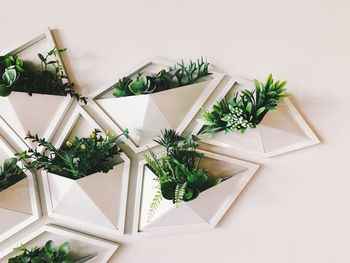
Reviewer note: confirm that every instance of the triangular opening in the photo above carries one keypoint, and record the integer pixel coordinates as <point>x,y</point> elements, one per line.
<point>107,200</point>
<point>81,128</point>
<point>17,198</point>
<point>34,113</point>
<point>11,218</point>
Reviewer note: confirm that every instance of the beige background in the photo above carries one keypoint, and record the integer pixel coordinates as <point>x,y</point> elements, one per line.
<point>297,208</point>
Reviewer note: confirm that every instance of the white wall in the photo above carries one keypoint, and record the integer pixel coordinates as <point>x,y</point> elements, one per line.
<point>297,208</point>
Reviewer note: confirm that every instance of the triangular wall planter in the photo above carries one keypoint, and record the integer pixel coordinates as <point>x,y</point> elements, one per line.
<point>81,201</point>
<point>38,113</point>
<point>202,213</point>
<point>19,203</point>
<point>145,115</point>
<point>282,130</point>
<point>83,247</point>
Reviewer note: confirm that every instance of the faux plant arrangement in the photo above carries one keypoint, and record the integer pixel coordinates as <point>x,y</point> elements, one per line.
<point>45,254</point>
<point>173,77</point>
<point>178,173</point>
<point>76,159</point>
<point>18,75</point>
<point>10,173</point>
<point>245,110</point>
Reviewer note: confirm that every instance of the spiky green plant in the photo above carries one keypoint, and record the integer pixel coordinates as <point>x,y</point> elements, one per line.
<point>173,77</point>
<point>10,173</point>
<point>244,110</point>
<point>19,75</point>
<point>178,173</point>
<point>45,254</point>
<point>78,158</point>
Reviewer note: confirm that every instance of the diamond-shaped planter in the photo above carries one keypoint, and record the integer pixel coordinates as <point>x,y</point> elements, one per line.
<point>204,212</point>
<point>282,130</point>
<point>19,203</point>
<point>83,247</point>
<point>145,115</point>
<point>97,201</point>
<point>39,113</point>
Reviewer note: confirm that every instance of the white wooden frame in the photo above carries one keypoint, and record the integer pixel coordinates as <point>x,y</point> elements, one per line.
<point>252,168</point>
<point>70,234</point>
<point>285,149</point>
<point>45,33</point>
<point>77,113</point>
<point>32,184</point>
<point>217,78</point>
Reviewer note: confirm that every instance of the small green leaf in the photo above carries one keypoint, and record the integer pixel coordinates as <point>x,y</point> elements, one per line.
<point>64,249</point>
<point>10,76</point>
<point>249,107</point>
<point>260,110</point>
<point>41,57</point>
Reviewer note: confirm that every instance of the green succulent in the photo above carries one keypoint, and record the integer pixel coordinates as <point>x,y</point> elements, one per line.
<point>173,77</point>
<point>178,174</point>
<point>244,110</point>
<point>45,254</point>
<point>19,76</point>
<point>10,173</point>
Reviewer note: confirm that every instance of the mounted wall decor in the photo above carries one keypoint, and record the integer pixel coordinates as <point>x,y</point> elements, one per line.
<point>151,97</point>
<point>186,189</point>
<point>80,200</point>
<point>35,92</point>
<point>272,133</point>
<point>78,247</point>
<point>19,202</point>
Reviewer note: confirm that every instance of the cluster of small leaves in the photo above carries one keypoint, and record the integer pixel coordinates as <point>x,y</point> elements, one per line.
<point>246,110</point>
<point>178,173</point>
<point>45,254</point>
<point>10,173</point>
<point>51,79</point>
<point>176,76</point>
<point>78,158</point>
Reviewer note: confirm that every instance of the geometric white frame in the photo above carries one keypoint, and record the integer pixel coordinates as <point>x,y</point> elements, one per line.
<point>45,33</point>
<point>76,114</point>
<point>312,138</point>
<point>32,184</point>
<point>111,247</point>
<point>217,78</point>
<point>252,168</point>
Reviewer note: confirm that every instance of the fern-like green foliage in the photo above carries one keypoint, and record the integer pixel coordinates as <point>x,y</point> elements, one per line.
<point>45,254</point>
<point>18,75</point>
<point>244,110</point>
<point>10,173</point>
<point>178,173</point>
<point>173,77</point>
<point>76,159</point>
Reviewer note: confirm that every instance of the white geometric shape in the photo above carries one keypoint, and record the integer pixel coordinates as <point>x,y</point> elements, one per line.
<point>282,130</point>
<point>202,213</point>
<point>42,113</point>
<point>134,113</point>
<point>19,203</point>
<point>173,108</point>
<point>79,201</point>
<point>17,197</point>
<point>82,245</point>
